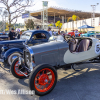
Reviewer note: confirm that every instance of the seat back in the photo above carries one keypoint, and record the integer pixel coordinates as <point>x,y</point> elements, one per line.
<point>73,45</point>
<point>83,45</point>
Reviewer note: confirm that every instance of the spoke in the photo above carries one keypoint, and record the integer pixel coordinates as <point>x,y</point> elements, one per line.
<point>44,86</point>
<point>43,71</point>
<point>40,87</point>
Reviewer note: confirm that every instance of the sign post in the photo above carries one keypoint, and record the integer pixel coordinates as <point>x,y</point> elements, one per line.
<point>45,14</point>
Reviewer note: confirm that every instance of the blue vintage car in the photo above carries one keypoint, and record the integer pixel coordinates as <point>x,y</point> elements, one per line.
<point>14,48</point>
<point>90,34</point>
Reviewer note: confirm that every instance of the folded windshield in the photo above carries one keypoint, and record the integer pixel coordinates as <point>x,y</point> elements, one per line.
<point>57,38</point>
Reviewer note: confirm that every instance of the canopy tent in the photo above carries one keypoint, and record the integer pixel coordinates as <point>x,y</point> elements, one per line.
<point>85,26</point>
<point>58,12</point>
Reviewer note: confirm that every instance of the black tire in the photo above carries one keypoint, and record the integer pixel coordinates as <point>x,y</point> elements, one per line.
<point>13,71</point>
<point>33,75</point>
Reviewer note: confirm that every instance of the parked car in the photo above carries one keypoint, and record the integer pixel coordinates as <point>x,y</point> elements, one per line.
<point>41,61</point>
<point>3,36</point>
<point>14,48</point>
<point>72,33</point>
<point>90,34</point>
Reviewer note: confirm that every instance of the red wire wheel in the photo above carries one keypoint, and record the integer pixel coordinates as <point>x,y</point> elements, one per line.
<point>43,79</point>
<point>16,68</point>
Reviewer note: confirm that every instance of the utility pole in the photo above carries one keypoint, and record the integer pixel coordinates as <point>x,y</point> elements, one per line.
<point>93,14</point>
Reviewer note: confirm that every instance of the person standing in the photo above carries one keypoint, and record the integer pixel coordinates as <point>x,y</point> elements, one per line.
<point>49,30</point>
<point>37,27</point>
<point>11,34</point>
<point>76,33</point>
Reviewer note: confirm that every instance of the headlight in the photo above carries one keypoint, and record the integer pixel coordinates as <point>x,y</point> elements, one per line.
<point>4,48</point>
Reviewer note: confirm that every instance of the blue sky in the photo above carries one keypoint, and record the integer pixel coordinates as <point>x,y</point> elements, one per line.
<point>70,4</point>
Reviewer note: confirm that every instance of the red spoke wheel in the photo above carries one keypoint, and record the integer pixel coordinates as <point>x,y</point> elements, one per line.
<point>43,79</point>
<point>16,68</point>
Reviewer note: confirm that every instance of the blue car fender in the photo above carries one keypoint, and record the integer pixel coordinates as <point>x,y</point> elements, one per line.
<point>10,51</point>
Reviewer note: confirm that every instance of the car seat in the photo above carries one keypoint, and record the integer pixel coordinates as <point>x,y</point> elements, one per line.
<point>73,45</point>
<point>83,45</point>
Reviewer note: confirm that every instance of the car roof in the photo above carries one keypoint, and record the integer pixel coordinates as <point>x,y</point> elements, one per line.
<point>36,31</point>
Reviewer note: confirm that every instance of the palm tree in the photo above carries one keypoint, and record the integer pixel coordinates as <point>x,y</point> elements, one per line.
<point>58,24</point>
<point>73,18</point>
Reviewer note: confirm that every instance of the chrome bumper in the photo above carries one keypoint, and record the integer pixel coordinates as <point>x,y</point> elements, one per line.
<point>1,60</point>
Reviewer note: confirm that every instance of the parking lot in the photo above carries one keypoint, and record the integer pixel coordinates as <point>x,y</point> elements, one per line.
<point>83,84</point>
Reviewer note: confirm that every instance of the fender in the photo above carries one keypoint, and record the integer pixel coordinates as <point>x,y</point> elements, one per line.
<point>10,51</point>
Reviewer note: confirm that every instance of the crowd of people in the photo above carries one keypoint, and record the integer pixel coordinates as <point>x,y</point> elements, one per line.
<point>16,35</point>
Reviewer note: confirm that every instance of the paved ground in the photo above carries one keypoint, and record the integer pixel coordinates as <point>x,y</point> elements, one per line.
<point>71,85</point>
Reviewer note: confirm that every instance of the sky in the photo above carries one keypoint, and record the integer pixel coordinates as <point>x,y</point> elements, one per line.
<point>83,5</point>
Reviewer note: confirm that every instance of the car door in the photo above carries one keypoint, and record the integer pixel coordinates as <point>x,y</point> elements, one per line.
<point>38,38</point>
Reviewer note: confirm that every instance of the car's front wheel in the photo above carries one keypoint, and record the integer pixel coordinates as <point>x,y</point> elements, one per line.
<point>43,79</point>
<point>12,57</point>
<point>17,70</point>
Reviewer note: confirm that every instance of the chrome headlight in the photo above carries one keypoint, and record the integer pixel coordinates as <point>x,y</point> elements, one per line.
<point>4,48</point>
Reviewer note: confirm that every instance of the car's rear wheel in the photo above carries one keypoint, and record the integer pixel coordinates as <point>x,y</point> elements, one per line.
<point>16,70</point>
<point>12,57</point>
<point>43,79</point>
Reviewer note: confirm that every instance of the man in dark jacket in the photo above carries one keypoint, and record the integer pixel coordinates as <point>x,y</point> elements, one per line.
<point>11,34</point>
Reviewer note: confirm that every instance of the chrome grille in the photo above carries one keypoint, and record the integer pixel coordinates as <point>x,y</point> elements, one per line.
<point>27,58</point>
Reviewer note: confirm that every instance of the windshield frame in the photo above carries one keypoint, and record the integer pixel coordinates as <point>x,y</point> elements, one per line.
<point>25,35</point>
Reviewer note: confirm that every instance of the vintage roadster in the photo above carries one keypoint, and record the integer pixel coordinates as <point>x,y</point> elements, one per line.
<point>13,48</point>
<point>41,61</point>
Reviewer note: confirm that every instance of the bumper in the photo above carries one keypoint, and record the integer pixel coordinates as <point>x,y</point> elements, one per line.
<point>1,60</point>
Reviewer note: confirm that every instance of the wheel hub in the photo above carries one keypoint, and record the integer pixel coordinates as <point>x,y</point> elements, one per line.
<point>43,80</point>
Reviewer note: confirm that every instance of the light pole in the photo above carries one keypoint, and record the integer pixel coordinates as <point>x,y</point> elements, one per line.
<point>93,14</point>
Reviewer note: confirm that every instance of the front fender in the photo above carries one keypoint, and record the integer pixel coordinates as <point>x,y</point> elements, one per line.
<point>10,51</point>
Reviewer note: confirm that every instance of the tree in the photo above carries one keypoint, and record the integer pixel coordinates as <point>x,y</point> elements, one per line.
<point>7,27</point>
<point>73,18</point>
<point>58,24</point>
<point>50,25</point>
<point>29,24</point>
<point>15,8</point>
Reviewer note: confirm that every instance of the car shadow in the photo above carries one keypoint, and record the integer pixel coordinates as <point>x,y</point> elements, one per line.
<point>71,84</point>
<point>76,86</point>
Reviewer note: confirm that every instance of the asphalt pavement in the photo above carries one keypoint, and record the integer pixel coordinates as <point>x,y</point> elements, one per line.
<point>83,84</point>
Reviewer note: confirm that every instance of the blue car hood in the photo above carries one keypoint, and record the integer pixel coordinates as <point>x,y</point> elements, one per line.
<point>84,34</point>
<point>12,41</point>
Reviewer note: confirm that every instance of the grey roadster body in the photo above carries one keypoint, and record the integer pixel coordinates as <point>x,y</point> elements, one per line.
<point>42,60</point>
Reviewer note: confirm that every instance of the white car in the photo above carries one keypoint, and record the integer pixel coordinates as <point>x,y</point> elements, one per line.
<point>41,61</point>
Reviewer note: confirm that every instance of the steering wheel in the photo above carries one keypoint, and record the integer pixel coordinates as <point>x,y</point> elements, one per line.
<point>72,40</point>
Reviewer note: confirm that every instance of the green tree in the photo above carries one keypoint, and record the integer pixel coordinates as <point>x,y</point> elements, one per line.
<point>29,24</point>
<point>73,18</point>
<point>58,24</point>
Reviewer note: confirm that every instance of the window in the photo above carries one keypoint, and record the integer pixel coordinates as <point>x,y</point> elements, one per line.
<point>39,36</point>
<point>26,35</point>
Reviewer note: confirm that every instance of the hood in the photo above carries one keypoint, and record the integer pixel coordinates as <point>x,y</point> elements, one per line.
<point>48,47</point>
<point>12,41</point>
<point>84,34</point>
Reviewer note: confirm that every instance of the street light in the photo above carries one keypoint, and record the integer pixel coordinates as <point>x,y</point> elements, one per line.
<point>93,13</point>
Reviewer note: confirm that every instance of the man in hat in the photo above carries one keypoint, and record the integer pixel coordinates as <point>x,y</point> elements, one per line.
<point>11,34</point>
<point>37,27</point>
